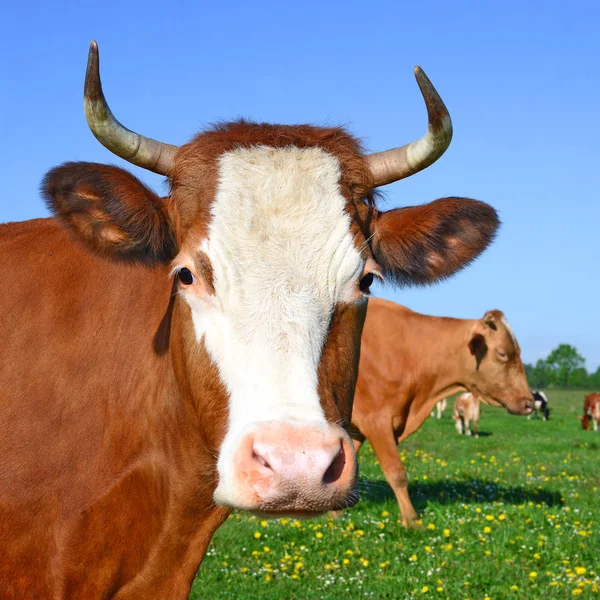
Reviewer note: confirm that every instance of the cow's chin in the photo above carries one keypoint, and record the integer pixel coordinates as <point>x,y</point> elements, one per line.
<point>284,504</point>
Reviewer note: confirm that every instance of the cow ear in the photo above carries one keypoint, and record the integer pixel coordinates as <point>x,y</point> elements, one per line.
<point>423,244</point>
<point>112,212</point>
<point>477,344</point>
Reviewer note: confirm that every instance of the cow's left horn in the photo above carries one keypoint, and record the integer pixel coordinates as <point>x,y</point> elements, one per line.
<point>398,163</point>
<point>133,147</point>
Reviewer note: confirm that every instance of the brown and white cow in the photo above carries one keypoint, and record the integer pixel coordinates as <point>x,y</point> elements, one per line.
<point>591,412</point>
<point>467,411</point>
<point>167,359</point>
<point>409,361</point>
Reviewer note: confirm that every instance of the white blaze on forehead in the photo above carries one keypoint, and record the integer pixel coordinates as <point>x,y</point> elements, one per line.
<point>282,256</point>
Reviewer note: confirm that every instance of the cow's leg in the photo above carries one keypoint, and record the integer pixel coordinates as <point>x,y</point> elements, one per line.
<point>467,426</point>
<point>383,442</point>
<point>595,424</point>
<point>458,425</point>
<point>476,428</point>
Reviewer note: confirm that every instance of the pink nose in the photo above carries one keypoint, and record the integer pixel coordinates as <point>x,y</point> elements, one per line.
<point>289,468</point>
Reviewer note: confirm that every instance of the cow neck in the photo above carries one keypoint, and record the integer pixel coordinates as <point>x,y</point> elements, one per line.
<point>448,340</point>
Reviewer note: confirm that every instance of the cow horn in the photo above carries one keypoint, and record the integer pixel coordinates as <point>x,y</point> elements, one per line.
<point>398,163</point>
<point>133,147</point>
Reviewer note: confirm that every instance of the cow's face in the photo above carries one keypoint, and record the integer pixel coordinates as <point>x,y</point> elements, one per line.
<point>272,243</point>
<point>497,373</point>
<point>272,239</point>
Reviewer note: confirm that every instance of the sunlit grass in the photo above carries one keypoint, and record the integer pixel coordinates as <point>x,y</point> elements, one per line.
<point>513,514</point>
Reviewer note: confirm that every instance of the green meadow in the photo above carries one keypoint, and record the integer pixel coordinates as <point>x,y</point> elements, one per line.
<point>513,514</point>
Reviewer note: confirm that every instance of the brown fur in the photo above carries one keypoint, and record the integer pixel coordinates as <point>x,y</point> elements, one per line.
<point>112,415</point>
<point>409,362</point>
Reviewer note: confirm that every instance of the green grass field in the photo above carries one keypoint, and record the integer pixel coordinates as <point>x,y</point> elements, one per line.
<point>513,514</point>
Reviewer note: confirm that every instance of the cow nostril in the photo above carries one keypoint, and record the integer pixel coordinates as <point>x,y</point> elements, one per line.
<point>336,468</point>
<point>260,460</point>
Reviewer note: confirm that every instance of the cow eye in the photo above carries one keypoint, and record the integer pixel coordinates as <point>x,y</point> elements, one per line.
<point>185,276</point>
<point>502,355</point>
<point>365,283</point>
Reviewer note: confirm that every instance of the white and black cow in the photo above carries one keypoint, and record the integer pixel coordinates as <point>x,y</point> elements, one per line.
<point>540,405</point>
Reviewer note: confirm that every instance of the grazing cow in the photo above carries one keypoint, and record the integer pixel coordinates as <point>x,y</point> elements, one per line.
<point>591,412</point>
<point>467,410</point>
<point>165,360</point>
<point>409,361</point>
<point>540,405</point>
<point>440,407</point>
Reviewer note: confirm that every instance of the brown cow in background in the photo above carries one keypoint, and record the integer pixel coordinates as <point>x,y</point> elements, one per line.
<point>467,411</point>
<point>591,412</point>
<point>410,361</point>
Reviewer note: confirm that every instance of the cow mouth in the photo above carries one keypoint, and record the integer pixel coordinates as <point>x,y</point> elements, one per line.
<point>508,407</point>
<point>295,510</point>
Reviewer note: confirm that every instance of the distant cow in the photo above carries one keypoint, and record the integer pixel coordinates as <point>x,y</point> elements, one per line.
<point>409,362</point>
<point>540,405</point>
<point>467,410</point>
<point>591,412</point>
<point>440,407</point>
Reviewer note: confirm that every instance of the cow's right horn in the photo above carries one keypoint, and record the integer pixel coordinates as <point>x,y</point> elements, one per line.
<point>133,147</point>
<point>397,163</point>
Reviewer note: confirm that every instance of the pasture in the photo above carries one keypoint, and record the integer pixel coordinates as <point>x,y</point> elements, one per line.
<point>513,514</point>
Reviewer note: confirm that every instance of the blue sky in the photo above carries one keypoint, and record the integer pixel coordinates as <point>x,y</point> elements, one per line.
<point>521,81</point>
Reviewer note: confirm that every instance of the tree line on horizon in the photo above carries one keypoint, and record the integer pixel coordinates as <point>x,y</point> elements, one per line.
<point>564,367</point>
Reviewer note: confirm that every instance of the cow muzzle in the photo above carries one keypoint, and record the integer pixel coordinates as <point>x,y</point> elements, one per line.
<point>279,468</point>
<point>522,406</point>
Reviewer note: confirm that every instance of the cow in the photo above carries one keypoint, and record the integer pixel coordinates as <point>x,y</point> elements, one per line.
<point>467,410</point>
<point>440,407</point>
<point>591,412</point>
<point>540,405</point>
<point>409,361</point>
<point>168,359</point>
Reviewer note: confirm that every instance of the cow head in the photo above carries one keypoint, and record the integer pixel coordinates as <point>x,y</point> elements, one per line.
<point>585,422</point>
<point>497,373</point>
<point>272,238</point>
